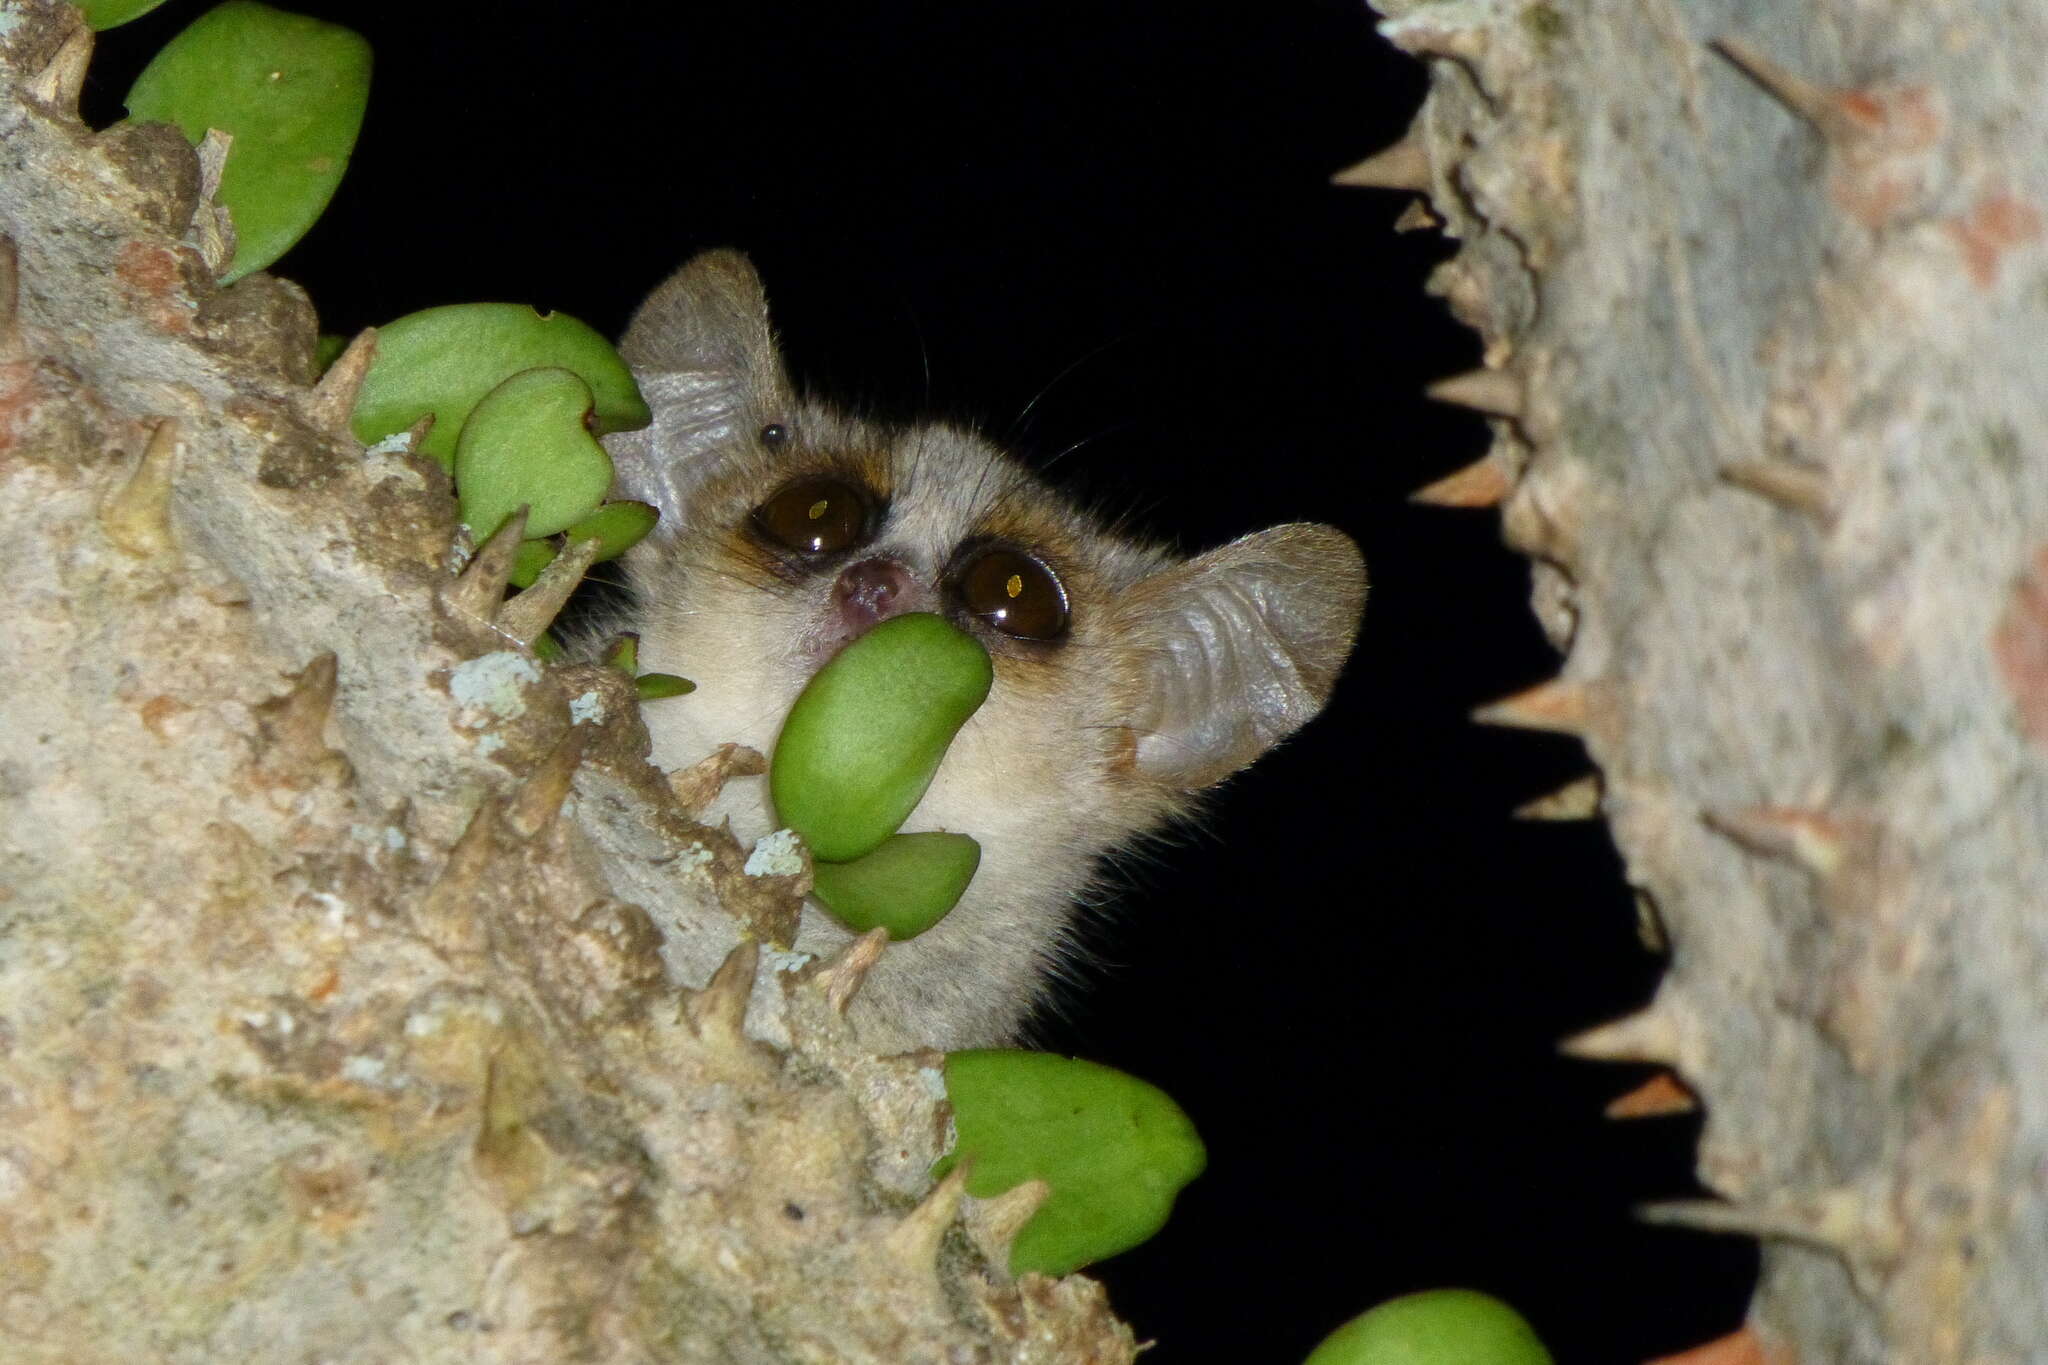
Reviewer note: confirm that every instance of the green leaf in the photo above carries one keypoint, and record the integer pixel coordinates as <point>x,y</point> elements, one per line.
<point>1115,1151</point>
<point>907,885</point>
<point>864,738</point>
<point>623,653</point>
<point>444,360</point>
<point>1434,1327</point>
<point>328,350</point>
<point>617,527</point>
<point>106,14</point>
<point>655,686</point>
<point>547,647</point>
<point>526,443</point>
<point>290,90</point>
<point>527,562</point>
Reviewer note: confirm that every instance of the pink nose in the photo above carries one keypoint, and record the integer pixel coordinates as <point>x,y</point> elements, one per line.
<point>870,591</point>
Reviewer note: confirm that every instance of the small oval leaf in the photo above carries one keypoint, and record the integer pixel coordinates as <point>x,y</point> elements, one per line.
<point>655,686</point>
<point>1434,1327</point>
<point>864,738</point>
<point>906,886</point>
<point>291,92</point>
<point>444,360</point>
<point>106,14</point>
<point>1115,1150</point>
<point>616,526</point>
<point>526,443</point>
<point>623,653</point>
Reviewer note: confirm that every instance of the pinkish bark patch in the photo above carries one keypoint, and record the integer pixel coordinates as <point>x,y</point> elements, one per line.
<point>1994,225</point>
<point>2020,648</point>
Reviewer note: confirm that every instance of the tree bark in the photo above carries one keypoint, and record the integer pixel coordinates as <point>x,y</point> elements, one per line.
<point>1762,289</point>
<point>364,993</point>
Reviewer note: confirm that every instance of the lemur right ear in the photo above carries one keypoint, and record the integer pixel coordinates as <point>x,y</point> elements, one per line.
<point>706,362</point>
<point>1239,648</point>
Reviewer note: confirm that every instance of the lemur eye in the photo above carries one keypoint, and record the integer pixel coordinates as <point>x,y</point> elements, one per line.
<point>1014,593</point>
<point>775,436</point>
<point>816,516</point>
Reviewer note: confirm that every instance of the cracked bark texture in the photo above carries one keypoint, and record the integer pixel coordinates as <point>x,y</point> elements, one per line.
<point>1762,289</point>
<point>364,993</point>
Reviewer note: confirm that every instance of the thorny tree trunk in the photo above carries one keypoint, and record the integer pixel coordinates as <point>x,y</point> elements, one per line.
<point>1763,327</point>
<point>337,938</point>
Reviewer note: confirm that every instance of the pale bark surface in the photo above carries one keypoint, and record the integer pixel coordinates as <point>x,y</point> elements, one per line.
<point>1773,432</point>
<point>357,994</point>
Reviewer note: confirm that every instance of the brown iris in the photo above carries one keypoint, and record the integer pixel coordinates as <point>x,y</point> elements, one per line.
<point>816,516</point>
<point>1014,593</point>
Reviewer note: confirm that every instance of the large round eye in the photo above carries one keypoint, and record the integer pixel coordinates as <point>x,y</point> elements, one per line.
<point>1014,593</point>
<point>816,516</point>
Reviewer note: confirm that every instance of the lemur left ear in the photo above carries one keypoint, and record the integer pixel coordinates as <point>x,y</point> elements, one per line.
<point>1239,648</point>
<point>705,358</point>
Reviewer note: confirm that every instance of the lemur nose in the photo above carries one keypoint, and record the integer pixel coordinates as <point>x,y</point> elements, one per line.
<point>873,590</point>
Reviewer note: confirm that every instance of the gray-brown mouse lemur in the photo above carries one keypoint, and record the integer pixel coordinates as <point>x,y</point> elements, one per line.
<point>1127,679</point>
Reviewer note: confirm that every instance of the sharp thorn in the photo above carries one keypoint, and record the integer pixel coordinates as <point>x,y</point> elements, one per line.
<point>1810,101</point>
<point>532,611</point>
<point>1814,840</point>
<point>501,1114</point>
<point>1659,1097</point>
<point>1836,1220</point>
<point>451,914</point>
<point>57,85</point>
<point>1483,483</point>
<point>334,398</point>
<point>1002,1217</point>
<point>1711,1215</point>
<point>295,721</point>
<point>698,785</point>
<point>213,227</point>
<point>513,1095</point>
<point>1650,930</point>
<point>416,434</point>
<point>311,698</point>
<point>843,975</point>
<point>1737,1348</point>
<point>537,803</point>
<point>1418,217</point>
<point>1579,800</point>
<point>12,346</point>
<point>213,152</point>
<point>472,851</point>
<point>479,590</point>
<point>720,1010</point>
<point>914,1242</point>
<point>1649,1035</point>
<point>1558,706</point>
<point>1498,393</point>
<point>137,516</point>
<point>1800,487</point>
<point>1403,166</point>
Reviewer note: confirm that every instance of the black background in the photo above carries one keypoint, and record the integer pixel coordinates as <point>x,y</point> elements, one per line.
<point>1116,216</point>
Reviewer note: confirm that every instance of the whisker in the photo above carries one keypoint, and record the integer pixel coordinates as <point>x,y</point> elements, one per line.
<point>1022,422</point>
<point>1046,464</point>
